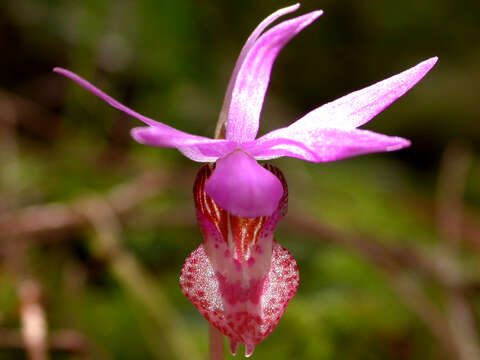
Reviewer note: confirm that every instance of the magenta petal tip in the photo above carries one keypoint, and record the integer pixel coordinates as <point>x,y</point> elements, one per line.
<point>400,143</point>
<point>138,135</point>
<point>432,60</point>
<point>428,64</point>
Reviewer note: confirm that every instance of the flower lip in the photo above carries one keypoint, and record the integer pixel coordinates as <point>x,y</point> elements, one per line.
<point>243,187</point>
<point>240,278</point>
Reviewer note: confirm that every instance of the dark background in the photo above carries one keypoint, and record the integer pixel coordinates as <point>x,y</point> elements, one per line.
<point>387,244</point>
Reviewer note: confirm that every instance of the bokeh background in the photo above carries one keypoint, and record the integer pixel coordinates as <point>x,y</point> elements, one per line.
<point>94,228</point>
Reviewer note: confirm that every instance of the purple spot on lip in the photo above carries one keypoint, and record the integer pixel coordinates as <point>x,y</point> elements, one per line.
<point>235,292</point>
<point>251,261</point>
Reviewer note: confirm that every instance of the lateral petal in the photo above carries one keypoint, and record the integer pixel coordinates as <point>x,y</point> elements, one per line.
<point>323,145</point>
<point>251,82</point>
<point>107,98</point>
<point>197,148</point>
<point>359,107</point>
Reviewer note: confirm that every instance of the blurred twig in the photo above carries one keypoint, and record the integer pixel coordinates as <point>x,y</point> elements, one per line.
<point>392,262</point>
<point>470,221</point>
<point>64,340</point>
<point>451,183</point>
<point>28,112</point>
<point>383,255</point>
<point>137,281</point>
<point>451,186</point>
<point>103,213</point>
<point>34,322</point>
<point>455,328</point>
<point>43,219</point>
<point>9,169</point>
<point>457,332</point>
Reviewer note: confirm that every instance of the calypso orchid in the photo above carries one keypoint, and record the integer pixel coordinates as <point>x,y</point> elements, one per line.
<point>240,278</point>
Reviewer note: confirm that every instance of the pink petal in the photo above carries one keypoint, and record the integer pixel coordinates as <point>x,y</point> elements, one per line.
<point>244,188</point>
<point>246,48</point>
<point>359,107</point>
<point>111,101</point>
<point>323,145</point>
<point>328,133</point>
<point>253,76</point>
<point>195,147</point>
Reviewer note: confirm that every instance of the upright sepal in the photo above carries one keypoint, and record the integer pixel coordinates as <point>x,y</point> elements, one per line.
<point>244,52</point>
<point>251,80</point>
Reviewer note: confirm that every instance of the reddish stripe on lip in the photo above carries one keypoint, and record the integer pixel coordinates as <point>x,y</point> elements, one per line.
<point>244,232</point>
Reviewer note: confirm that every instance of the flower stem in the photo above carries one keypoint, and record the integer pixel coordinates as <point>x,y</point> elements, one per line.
<point>216,344</point>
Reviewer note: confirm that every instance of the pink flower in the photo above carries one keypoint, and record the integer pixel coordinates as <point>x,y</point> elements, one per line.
<point>240,279</point>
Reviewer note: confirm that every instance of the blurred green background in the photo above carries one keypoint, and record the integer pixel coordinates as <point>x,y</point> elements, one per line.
<point>388,245</point>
